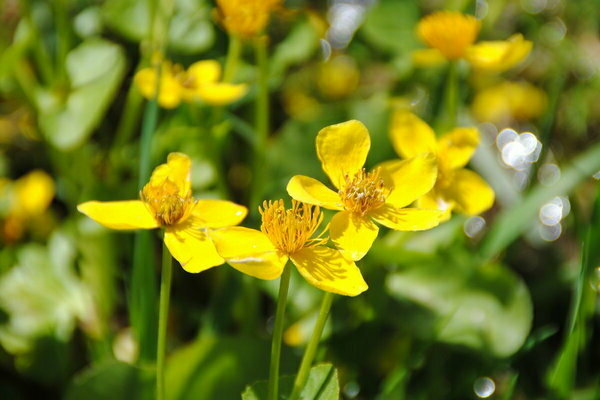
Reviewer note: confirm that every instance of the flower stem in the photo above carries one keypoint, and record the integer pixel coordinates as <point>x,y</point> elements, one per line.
<point>163,317</point>
<point>311,348</point>
<point>261,119</point>
<point>284,285</point>
<point>233,57</point>
<point>450,99</point>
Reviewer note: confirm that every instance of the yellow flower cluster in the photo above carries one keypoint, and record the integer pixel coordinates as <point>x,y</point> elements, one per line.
<point>451,35</point>
<point>508,101</point>
<point>201,234</point>
<point>200,82</point>
<point>245,18</point>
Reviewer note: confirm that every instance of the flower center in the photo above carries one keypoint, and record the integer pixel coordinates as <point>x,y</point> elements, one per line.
<point>166,203</point>
<point>291,230</point>
<point>363,192</point>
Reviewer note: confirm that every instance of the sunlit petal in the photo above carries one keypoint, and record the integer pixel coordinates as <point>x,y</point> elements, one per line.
<point>220,94</point>
<point>411,135</point>
<point>328,270</point>
<point>407,219</point>
<point>217,213</point>
<point>311,191</point>
<point>177,169</point>
<point>456,147</point>
<point>130,214</point>
<point>205,71</point>
<point>192,248</point>
<point>353,235</point>
<point>499,55</point>
<point>409,179</point>
<point>343,149</point>
<point>470,192</point>
<point>170,91</point>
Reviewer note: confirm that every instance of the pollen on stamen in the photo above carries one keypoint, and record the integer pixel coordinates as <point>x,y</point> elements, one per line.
<point>166,203</point>
<point>363,191</point>
<point>291,229</point>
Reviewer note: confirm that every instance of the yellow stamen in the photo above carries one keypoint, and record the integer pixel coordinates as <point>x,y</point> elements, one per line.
<point>166,203</point>
<point>363,191</point>
<point>291,230</point>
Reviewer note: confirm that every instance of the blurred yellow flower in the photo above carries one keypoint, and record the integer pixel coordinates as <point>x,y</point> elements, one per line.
<point>451,35</point>
<point>245,18</point>
<point>288,234</point>
<point>381,194</point>
<point>23,200</point>
<point>509,101</point>
<point>456,187</point>
<point>166,201</point>
<point>200,82</point>
<point>338,77</point>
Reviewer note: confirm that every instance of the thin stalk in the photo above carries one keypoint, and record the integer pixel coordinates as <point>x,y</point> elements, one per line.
<point>233,58</point>
<point>63,31</point>
<point>311,348</point>
<point>451,98</point>
<point>163,317</point>
<point>261,119</point>
<point>284,284</point>
<point>40,53</point>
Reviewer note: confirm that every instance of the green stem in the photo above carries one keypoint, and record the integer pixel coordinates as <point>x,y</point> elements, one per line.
<point>451,97</point>
<point>163,317</point>
<point>261,119</point>
<point>63,33</point>
<point>284,285</point>
<point>233,57</point>
<point>40,53</point>
<point>311,348</point>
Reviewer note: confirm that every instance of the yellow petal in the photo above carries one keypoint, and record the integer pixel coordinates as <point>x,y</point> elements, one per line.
<point>409,179</point>
<point>130,214</point>
<point>205,71</point>
<point>311,191</point>
<point>220,94</point>
<point>33,194</point>
<point>192,248</point>
<point>249,251</point>
<point>428,58</point>
<point>177,169</point>
<point>456,147</point>
<point>407,219</point>
<point>343,149</point>
<point>170,90</point>
<point>499,55</point>
<point>434,202</point>
<point>470,192</point>
<point>411,135</point>
<point>353,235</point>
<point>450,32</point>
<point>328,270</point>
<point>217,213</point>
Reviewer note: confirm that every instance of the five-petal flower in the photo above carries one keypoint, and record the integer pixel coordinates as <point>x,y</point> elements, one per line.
<point>167,202</point>
<point>381,194</point>
<point>457,187</point>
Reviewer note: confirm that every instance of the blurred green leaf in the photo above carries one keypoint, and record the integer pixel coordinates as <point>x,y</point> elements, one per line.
<point>487,308</point>
<point>299,45</point>
<point>219,367</point>
<point>190,30</point>
<point>512,222</point>
<point>322,384</point>
<point>390,25</point>
<point>112,380</point>
<point>95,69</point>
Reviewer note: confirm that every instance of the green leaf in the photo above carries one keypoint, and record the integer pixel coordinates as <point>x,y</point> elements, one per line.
<point>322,384</point>
<point>112,380</point>
<point>300,44</point>
<point>487,308</point>
<point>512,222</point>
<point>95,70</point>
<point>390,25</point>
<point>219,367</point>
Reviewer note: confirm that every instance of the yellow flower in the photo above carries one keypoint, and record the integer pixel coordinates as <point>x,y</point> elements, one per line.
<point>200,82</point>
<point>245,18</point>
<point>508,101</point>
<point>167,202</point>
<point>288,234</point>
<point>456,187</point>
<point>381,194</point>
<point>25,199</point>
<point>338,77</point>
<point>451,35</point>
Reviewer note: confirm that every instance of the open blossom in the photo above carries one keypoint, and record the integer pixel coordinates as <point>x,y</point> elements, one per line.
<point>200,82</point>
<point>456,188</point>
<point>451,35</point>
<point>362,196</point>
<point>167,202</point>
<point>288,234</point>
<point>245,18</point>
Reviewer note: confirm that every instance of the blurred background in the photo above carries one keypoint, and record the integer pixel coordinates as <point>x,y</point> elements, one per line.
<point>499,306</point>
